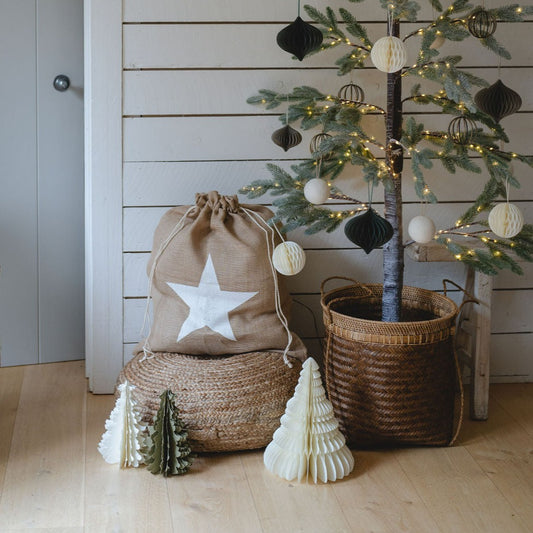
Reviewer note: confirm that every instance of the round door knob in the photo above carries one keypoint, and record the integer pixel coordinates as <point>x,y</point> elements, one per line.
<point>61,83</point>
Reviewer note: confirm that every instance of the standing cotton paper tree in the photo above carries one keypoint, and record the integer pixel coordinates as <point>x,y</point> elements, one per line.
<point>122,441</point>
<point>169,453</point>
<point>309,442</point>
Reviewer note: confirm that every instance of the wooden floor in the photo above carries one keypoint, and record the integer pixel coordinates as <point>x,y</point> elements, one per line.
<point>52,478</point>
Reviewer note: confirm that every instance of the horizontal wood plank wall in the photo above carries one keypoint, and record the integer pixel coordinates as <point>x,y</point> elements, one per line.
<point>189,68</point>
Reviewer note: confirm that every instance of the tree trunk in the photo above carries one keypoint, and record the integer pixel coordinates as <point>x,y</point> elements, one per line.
<point>393,250</point>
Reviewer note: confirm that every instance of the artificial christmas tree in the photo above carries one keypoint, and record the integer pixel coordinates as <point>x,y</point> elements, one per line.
<point>472,132</point>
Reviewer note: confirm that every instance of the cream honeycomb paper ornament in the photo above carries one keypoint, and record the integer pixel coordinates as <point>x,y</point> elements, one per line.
<point>389,54</point>
<point>288,258</point>
<point>506,220</point>
<point>124,436</point>
<point>308,442</point>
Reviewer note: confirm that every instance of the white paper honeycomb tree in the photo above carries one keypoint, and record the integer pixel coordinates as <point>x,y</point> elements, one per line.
<point>123,439</point>
<point>308,442</point>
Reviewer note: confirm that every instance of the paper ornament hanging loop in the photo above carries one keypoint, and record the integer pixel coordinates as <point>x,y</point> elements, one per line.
<point>299,38</point>
<point>369,230</point>
<point>506,220</point>
<point>498,101</point>
<point>389,54</point>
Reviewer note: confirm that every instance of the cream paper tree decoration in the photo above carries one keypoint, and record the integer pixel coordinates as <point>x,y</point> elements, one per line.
<point>308,442</point>
<point>123,439</point>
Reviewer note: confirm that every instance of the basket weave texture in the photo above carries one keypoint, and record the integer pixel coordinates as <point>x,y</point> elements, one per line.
<point>226,403</point>
<point>391,383</point>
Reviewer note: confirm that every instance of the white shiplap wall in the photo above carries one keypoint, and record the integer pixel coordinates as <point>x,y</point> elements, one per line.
<point>188,70</point>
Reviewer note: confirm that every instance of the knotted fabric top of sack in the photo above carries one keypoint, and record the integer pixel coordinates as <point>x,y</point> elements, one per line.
<point>213,287</point>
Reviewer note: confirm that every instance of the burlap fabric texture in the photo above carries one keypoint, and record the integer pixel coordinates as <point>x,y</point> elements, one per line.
<point>213,287</point>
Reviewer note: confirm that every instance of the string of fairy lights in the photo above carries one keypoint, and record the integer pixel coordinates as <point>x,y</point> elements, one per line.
<point>364,146</point>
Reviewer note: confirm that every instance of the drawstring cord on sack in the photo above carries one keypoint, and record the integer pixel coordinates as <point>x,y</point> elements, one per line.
<point>146,320</point>
<point>271,243</point>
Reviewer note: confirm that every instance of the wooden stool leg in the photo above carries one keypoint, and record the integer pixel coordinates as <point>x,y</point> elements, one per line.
<point>479,384</point>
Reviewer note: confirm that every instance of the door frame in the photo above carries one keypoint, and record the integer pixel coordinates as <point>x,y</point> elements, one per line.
<point>103,193</point>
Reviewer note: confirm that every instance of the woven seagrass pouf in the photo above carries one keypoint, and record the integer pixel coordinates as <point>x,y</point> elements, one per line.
<point>227,403</point>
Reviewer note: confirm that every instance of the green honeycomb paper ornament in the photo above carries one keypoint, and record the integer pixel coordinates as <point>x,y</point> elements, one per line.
<point>168,450</point>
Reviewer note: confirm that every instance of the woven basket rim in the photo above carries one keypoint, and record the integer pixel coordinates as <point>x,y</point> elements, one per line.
<point>444,309</point>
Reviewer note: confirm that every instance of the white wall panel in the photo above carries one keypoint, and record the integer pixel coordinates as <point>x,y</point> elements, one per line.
<point>239,137</point>
<point>254,45</point>
<point>192,92</point>
<point>140,223</point>
<point>174,183</point>
<point>254,10</point>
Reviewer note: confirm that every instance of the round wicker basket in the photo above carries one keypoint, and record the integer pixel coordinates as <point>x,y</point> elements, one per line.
<point>391,383</point>
<point>226,403</point>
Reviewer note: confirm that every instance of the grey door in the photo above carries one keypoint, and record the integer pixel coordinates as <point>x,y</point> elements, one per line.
<point>41,182</point>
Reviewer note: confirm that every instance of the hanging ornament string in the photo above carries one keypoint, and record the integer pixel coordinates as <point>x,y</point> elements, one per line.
<point>271,243</point>
<point>507,185</point>
<point>146,320</point>
<point>370,192</point>
<point>318,167</point>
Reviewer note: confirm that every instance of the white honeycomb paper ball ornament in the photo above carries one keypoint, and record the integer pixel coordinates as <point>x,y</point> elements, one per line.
<point>389,54</point>
<point>421,229</point>
<point>316,191</point>
<point>506,220</point>
<point>288,258</point>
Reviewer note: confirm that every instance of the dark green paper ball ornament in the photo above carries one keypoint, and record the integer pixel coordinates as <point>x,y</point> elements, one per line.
<point>299,38</point>
<point>286,137</point>
<point>498,101</point>
<point>369,230</point>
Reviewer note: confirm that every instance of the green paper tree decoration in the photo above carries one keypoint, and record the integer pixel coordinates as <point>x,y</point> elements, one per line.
<point>168,451</point>
<point>403,144</point>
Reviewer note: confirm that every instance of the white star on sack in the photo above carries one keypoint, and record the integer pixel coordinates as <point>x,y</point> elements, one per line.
<point>208,305</point>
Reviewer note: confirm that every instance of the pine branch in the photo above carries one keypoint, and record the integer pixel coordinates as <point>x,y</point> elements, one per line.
<point>436,5</point>
<point>511,13</point>
<point>355,28</point>
<point>492,44</point>
<point>401,9</point>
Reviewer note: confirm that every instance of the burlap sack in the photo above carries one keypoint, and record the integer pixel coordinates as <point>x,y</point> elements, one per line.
<point>213,286</point>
